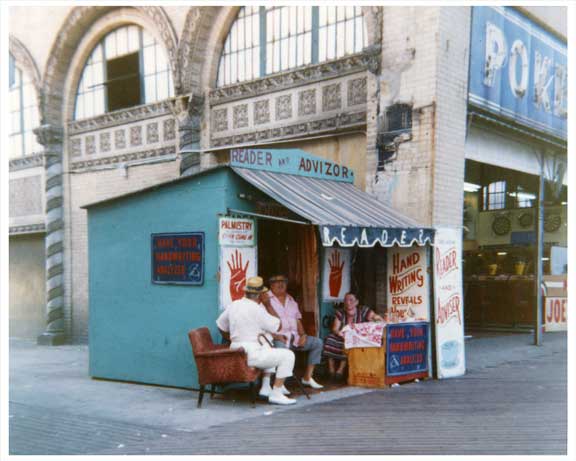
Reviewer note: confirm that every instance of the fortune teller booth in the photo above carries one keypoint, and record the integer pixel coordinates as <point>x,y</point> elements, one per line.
<point>169,258</point>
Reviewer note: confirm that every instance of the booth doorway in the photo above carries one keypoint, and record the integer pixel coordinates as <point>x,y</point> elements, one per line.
<point>292,249</point>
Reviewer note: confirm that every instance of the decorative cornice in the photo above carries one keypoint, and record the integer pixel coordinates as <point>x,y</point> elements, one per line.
<point>120,117</point>
<point>123,158</point>
<point>297,130</point>
<point>29,161</point>
<point>28,229</point>
<point>366,60</point>
<point>48,135</point>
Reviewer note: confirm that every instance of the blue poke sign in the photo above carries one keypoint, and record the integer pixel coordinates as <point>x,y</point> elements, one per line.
<point>178,258</point>
<point>406,348</point>
<point>290,161</point>
<point>518,70</point>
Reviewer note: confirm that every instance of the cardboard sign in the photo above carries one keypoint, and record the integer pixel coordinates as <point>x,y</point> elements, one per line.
<point>336,274</point>
<point>236,265</point>
<point>236,232</point>
<point>408,289</point>
<point>406,348</point>
<point>178,258</point>
<point>555,314</point>
<point>448,306</point>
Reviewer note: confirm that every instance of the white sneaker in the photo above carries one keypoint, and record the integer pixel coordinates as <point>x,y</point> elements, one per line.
<point>278,398</point>
<point>284,390</point>
<point>313,384</point>
<point>265,391</point>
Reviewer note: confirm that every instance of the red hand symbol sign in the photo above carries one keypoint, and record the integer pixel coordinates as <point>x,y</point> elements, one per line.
<point>237,276</point>
<point>335,279</point>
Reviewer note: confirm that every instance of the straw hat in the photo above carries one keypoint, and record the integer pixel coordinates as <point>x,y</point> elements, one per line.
<point>255,285</point>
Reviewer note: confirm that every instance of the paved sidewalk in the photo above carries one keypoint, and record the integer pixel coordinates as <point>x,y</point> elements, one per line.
<point>512,391</point>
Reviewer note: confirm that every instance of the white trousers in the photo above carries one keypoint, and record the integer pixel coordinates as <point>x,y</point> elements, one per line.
<point>271,360</point>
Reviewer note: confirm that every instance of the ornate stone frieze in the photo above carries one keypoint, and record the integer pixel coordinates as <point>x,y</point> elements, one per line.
<point>219,120</point>
<point>123,158</point>
<point>152,135</point>
<point>369,59</point>
<point>28,229</point>
<point>283,107</point>
<point>105,142</point>
<point>90,144</point>
<point>337,122</point>
<point>120,139</point>
<point>169,129</point>
<point>357,91</point>
<point>136,135</point>
<point>240,116</point>
<point>261,112</point>
<point>307,102</point>
<point>331,97</point>
<point>119,117</point>
<point>29,161</point>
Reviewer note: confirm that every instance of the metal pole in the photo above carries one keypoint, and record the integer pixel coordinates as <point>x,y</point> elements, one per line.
<point>539,253</point>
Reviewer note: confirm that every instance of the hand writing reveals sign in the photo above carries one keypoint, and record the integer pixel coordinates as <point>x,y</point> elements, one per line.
<point>407,287</point>
<point>178,258</point>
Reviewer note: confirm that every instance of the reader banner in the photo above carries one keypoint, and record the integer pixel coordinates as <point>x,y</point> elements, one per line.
<point>290,161</point>
<point>367,237</point>
<point>236,265</point>
<point>408,286</point>
<point>178,258</point>
<point>406,348</point>
<point>336,273</point>
<point>518,69</point>
<point>448,305</point>
<point>236,232</point>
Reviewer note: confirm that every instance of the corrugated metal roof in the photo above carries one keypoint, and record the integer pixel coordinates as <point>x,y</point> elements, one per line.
<point>325,202</point>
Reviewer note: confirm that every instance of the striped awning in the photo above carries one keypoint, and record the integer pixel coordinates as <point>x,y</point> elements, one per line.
<point>345,214</point>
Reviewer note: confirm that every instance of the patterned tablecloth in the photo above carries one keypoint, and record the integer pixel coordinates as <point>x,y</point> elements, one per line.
<point>367,334</point>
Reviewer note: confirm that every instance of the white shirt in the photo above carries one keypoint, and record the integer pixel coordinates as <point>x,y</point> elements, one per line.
<point>245,319</point>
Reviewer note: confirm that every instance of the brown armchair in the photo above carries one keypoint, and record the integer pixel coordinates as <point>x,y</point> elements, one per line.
<point>218,364</point>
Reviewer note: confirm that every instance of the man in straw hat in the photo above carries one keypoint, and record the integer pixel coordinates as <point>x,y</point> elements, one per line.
<point>292,334</point>
<point>247,322</point>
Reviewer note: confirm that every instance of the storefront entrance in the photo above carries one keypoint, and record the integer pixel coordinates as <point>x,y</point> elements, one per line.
<point>291,249</point>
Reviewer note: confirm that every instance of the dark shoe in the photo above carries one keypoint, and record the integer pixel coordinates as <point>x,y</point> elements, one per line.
<point>339,378</point>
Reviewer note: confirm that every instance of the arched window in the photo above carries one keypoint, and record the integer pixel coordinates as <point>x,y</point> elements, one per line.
<point>23,113</point>
<point>127,68</point>
<point>268,39</point>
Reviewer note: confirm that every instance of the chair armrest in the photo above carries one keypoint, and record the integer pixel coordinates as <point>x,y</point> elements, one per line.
<point>221,353</point>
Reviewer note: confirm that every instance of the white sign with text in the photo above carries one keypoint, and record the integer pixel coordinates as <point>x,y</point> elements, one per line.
<point>448,305</point>
<point>408,289</point>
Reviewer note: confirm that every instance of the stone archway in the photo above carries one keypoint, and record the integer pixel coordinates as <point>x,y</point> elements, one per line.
<point>64,48</point>
<point>52,99</point>
<point>25,61</point>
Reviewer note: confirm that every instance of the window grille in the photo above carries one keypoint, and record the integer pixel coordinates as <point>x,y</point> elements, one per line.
<point>127,68</point>
<point>266,40</point>
<point>24,115</point>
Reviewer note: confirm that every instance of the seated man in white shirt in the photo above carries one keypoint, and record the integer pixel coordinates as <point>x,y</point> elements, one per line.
<point>247,322</point>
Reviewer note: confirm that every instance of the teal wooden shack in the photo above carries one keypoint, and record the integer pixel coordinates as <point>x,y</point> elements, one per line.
<point>138,327</point>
